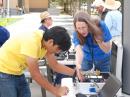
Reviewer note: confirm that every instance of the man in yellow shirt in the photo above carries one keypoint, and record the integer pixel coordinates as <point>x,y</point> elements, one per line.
<point>24,51</point>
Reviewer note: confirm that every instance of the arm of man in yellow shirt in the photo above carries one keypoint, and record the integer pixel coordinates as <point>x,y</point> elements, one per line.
<point>41,80</point>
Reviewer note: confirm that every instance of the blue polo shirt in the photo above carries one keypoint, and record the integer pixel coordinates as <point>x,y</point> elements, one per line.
<point>90,48</point>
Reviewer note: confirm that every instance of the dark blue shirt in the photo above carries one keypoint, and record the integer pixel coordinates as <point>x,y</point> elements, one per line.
<point>42,27</point>
<point>4,35</point>
<point>90,48</point>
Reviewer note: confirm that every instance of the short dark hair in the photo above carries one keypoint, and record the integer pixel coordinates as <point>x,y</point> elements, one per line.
<point>60,36</point>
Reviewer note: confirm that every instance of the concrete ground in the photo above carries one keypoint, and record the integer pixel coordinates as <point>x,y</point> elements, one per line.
<point>36,90</point>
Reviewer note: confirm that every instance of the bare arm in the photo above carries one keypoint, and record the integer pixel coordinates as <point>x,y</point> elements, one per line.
<point>41,80</point>
<point>79,59</point>
<point>105,46</point>
<point>79,56</point>
<point>58,67</point>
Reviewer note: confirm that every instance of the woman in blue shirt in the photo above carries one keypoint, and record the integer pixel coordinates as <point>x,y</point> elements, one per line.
<point>92,43</point>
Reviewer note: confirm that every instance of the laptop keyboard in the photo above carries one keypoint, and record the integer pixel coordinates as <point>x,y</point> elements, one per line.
<point>93,96</point>
<point>80,95</point>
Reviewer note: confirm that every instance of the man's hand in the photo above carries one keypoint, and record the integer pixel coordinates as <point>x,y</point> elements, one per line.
<point>61,91</point>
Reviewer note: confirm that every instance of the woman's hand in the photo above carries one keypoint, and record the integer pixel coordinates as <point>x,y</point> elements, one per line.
<point>80,75</point>
<point>104,46</point>
<point>98,38</point>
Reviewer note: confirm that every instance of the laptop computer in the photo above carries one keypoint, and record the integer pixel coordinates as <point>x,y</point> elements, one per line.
<point>110,89</point>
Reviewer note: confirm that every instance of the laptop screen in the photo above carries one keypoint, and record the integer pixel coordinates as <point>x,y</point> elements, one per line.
<point>114,58</point>
<point>111,87</point>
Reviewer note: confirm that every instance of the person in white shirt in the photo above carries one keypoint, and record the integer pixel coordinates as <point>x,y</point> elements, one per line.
<point>112,17</point>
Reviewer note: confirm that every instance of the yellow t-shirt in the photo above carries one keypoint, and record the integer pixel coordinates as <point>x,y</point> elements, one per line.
<point>14,51</point>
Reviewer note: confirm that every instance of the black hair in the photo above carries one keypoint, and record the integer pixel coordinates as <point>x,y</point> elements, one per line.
<point>43,21</point>
<point>60,37</point>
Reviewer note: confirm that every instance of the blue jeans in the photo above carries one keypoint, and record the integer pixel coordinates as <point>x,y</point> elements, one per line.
<point>102,65</point>
<point>59,76</point>
<point>13,86</point>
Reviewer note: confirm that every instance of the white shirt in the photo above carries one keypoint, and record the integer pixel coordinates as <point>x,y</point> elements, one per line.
<point>113,20</point>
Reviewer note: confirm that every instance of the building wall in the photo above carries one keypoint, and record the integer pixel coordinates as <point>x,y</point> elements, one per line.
<point>13,3</point>
<point>12,6</point>
<point>38,5</point>
<point>26,6</point>
<point>29,5</point>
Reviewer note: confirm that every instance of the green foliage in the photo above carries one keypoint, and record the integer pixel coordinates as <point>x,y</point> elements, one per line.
<point>8,21</point>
